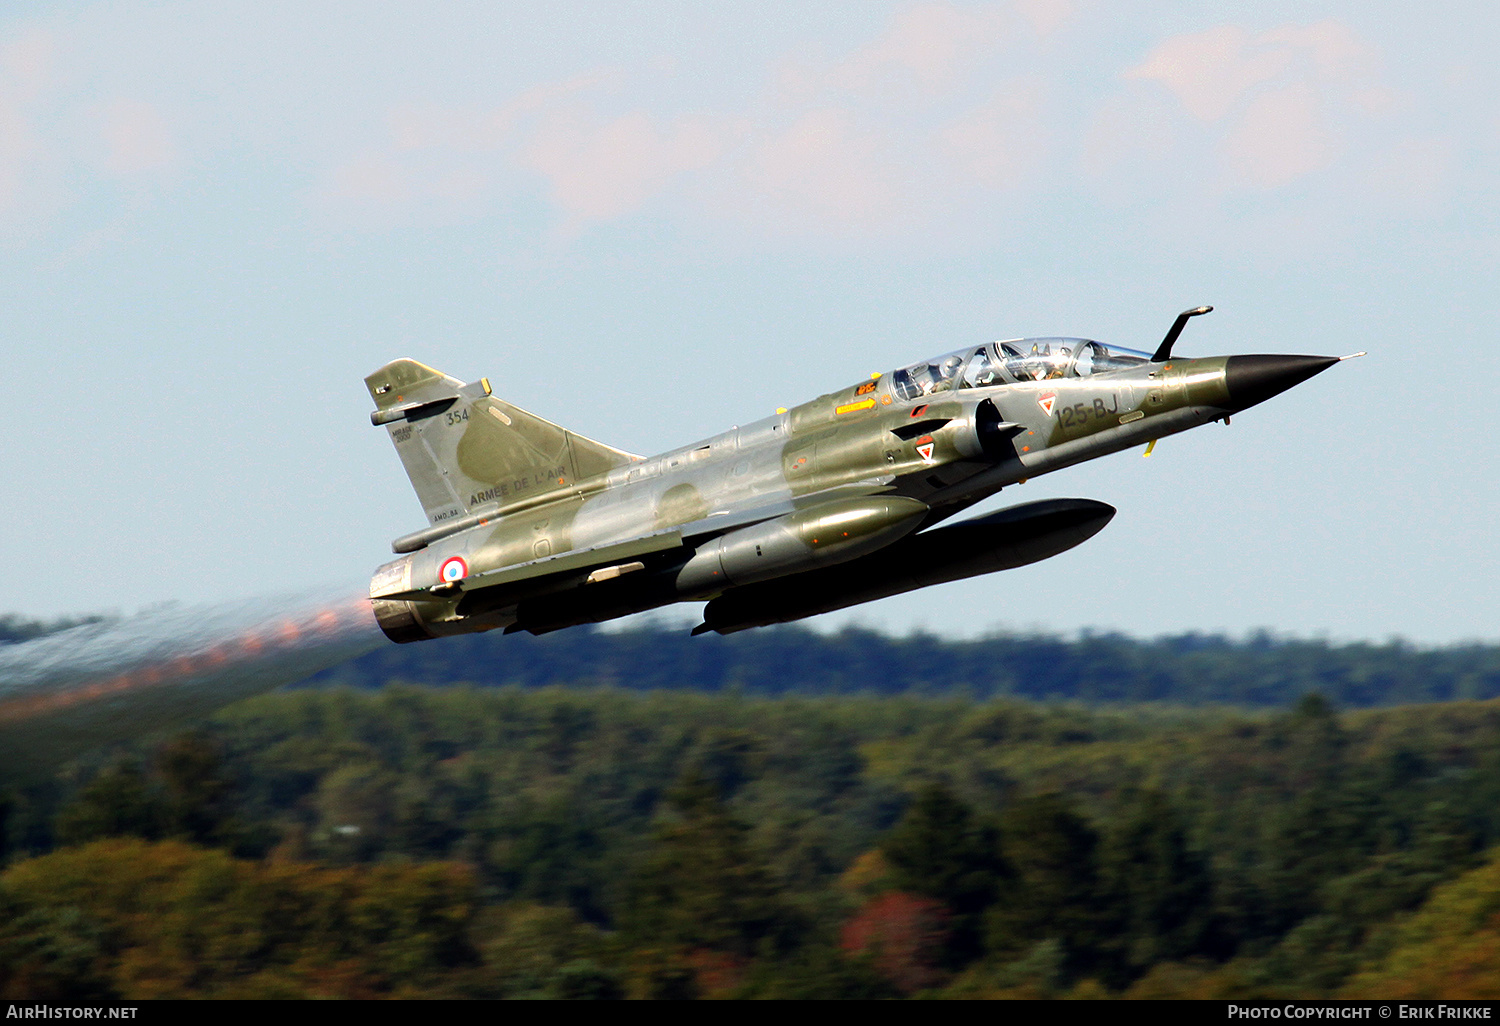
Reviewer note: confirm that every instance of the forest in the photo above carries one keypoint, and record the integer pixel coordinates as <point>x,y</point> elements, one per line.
<point>561,818</point>
<point>1186,669</point>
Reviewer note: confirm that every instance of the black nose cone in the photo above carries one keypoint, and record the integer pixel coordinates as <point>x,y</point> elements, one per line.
<point>1254,379</point>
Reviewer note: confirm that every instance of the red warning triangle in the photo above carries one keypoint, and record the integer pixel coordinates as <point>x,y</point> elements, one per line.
<point>1046,401</point>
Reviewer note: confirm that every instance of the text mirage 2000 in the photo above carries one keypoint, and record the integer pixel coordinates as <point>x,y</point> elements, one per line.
<point>826,505</point>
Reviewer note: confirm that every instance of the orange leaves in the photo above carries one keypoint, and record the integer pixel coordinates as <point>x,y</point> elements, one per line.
<point>904,935</point>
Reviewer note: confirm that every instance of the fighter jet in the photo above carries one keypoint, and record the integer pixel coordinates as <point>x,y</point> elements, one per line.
<point>532,527</point>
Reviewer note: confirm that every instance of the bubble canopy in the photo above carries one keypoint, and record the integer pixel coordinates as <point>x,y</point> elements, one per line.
<point>1015,360</point>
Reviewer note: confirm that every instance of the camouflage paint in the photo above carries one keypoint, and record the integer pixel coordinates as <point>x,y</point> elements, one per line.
<point>505,489</point>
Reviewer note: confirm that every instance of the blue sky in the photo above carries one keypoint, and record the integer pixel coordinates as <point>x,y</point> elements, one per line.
<point>651,221</point>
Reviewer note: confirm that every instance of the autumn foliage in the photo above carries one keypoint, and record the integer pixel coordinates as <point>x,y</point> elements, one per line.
<point>903,934</point>
<point>603,844</point>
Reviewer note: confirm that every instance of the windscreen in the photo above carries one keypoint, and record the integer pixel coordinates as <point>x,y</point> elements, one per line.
<point>1003,363</point>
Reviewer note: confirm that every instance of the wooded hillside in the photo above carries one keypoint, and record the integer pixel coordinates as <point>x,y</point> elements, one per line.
<point>569,842</point>
<point>1190,669</point>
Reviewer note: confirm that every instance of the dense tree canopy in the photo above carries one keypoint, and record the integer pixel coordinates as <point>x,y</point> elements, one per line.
<point>611,843</point>
<point>785,814</point>
<point>1190,669</point>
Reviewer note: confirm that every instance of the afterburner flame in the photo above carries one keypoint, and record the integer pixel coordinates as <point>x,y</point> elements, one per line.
<point>98,683</point>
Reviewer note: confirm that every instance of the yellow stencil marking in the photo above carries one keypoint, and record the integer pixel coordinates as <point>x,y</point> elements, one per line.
<point>863,404</point>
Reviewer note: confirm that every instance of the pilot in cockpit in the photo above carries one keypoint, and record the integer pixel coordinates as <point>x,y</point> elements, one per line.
<point>946,372</point>
<point>1042,364</point>
<point>936,377</point>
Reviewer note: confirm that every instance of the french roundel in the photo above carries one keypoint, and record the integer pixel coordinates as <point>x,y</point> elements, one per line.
<point>454,569</point>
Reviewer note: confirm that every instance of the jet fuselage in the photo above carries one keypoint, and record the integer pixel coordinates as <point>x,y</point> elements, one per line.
<point>823,505</point>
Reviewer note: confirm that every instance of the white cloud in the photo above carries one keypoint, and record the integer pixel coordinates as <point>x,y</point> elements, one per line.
<point>827,169</point>
<point>1127,143</point>
<point>425,126</point>
<point>444,163</point>
<point>996,144</point>
<point>416,126</point>
<point>929,44</point>
<point>18,144</point>
<point>371,178</point>
<point>1332,47</point>
<point>939,122</point>
<point>599,168</point>
<point>1281,104</point>
<point>56,141</point>
<point>25,69</point>
<point>858,143</point>
<point>1278,138</point>
<point>135,137</point>
<point>27,63</point>
<point>1211,71</point>
<point>901,131</point>
<point>1045,16</point>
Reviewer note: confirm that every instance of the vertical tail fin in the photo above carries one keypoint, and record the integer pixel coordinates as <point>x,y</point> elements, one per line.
<point>465,449</point>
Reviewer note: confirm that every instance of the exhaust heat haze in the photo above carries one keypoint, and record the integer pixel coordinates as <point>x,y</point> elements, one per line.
<point>82,688</point>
